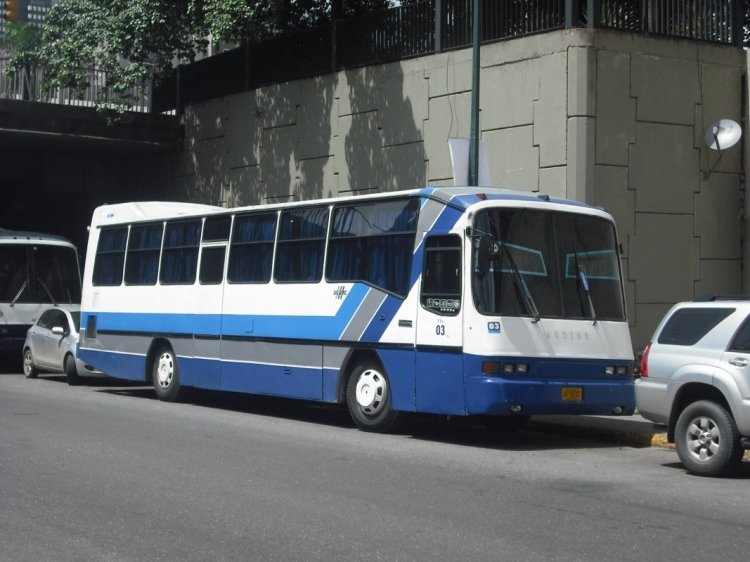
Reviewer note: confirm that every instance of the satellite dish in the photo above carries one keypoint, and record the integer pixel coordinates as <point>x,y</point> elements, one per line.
<point>722,134</point>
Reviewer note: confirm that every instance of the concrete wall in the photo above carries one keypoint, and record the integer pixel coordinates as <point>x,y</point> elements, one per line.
<point>609,118</point>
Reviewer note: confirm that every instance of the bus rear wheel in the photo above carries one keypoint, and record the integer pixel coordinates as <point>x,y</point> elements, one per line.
<point>166,375</point>
<point>368,397</point>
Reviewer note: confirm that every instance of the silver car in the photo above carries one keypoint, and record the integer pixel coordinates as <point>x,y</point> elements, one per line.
<point>51,346</point>
<point>695,379</point>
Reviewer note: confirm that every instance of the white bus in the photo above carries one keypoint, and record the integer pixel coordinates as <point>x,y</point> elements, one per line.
<point>36,271</point>
<point>453,301</point>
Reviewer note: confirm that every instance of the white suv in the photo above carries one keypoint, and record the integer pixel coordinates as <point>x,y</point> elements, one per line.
<point>695,379</point>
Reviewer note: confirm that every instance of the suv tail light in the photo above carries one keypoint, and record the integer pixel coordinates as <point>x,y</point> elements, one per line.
<point>644,360</point>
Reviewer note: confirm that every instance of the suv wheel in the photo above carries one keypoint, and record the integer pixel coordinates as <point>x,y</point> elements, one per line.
<point>707,439</point>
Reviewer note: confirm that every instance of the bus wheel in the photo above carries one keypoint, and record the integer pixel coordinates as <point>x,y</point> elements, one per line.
<point>368,396</point>
<point>166,376</point>
<point>71,373</point>
<point>29,370</point>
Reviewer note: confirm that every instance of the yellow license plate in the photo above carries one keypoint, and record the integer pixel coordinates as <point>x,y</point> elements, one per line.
<point>572,394</point>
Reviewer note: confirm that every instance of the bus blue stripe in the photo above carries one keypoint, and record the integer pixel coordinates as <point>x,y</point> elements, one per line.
<point>254,325</point>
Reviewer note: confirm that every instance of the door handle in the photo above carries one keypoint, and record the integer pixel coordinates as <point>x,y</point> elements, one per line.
<point>738,362</point>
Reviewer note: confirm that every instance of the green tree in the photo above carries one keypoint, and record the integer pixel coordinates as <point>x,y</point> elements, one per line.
<point>133,40</point>
<point>21,42</point>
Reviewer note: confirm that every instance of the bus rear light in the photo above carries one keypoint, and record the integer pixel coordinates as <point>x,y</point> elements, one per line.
<point>490,367</point>
<point>644,360</point>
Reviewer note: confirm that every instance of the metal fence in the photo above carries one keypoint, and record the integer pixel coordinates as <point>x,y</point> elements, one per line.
<point>406,31</point>
<point>27,85</point>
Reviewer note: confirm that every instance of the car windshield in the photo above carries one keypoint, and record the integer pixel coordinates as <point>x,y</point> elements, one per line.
<point>547,264</point>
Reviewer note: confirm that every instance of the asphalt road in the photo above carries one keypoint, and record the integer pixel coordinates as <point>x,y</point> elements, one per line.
<point>107,472</point>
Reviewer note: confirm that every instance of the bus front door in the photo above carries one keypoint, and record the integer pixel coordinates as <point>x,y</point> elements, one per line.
<point>439,357</point>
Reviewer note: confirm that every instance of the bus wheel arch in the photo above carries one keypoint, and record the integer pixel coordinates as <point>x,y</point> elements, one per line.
<point>367,393</point>
<point>162,370</point>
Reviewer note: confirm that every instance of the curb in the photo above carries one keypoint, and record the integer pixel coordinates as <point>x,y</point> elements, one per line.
<point>623,430</point>
<point>633,431</point>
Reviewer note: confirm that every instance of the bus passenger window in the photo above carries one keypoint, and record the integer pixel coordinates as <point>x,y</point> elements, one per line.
<point>251,251</point>
<point>212,265</point>
<point>179,261</point>
<point>142,260</point>
<point>216,229</point>
<point>110,256</point>
<point>302,239</point>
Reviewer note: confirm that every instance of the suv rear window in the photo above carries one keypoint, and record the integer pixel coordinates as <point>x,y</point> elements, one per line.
<point>688,325</point>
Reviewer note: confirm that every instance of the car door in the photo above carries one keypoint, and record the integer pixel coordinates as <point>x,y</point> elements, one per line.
<point>736,359</point>
<point>41,334</point>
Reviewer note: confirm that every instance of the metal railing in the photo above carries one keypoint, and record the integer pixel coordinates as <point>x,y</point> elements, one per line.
<point>26,85</point>
<point>410,30</point>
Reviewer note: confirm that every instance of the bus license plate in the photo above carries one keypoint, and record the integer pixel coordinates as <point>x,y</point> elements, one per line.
<point>572,394</point>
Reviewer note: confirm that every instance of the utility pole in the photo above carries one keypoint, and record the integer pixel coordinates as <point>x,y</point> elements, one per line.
<point>474,140</point>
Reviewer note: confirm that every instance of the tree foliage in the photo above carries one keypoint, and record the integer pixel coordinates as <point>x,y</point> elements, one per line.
<point>133,40</point>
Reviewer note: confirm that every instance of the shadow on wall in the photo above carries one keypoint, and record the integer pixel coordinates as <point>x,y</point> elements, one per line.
<point>383,146</point>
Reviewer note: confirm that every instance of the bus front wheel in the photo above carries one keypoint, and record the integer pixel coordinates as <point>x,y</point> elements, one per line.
<point>166,375</point>
<point>368,397</point>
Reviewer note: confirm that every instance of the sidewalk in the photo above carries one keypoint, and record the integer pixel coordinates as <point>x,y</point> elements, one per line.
<point>628,430</point>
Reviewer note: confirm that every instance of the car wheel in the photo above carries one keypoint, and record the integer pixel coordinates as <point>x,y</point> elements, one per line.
<point>707,439</point>
<point>29,370</point>
<point>368,397</point>
<point>71,372</point>
<point>166,375</point>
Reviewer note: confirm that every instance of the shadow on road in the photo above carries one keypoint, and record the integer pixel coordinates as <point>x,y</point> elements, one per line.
<point>464,431</point>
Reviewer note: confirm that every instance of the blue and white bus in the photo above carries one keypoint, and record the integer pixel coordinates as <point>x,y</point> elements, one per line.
<point>37,271</point>
<point>453,301</point>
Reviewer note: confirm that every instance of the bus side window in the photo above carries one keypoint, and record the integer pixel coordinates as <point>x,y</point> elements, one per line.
<point>441,275</point>
<point>215,232</point>
<point>251,250</point>
<point>179,260</point>
<point>302,240</point>
<point>142,259</point>
<point>110,256</point>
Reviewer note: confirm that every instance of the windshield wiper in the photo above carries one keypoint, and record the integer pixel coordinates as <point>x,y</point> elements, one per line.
<point>585,284</point>
<point>49,293</point>
<point>521,284</point>
<point>19,293</point>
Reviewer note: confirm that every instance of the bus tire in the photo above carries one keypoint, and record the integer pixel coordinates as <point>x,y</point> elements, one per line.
<point>29,370</point>
<point>166,375</point>
<point>368,397</point>
<point>71,372</point>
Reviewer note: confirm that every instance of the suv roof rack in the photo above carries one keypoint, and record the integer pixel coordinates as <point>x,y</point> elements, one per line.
<point>711,297</point>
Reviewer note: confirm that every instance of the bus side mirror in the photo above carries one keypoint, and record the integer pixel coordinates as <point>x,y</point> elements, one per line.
<point>484,254</point>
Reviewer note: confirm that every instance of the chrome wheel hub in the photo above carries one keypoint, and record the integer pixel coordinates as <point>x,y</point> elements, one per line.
<point>371,392</point>
<point>703,439</point>
<point>165,370</point>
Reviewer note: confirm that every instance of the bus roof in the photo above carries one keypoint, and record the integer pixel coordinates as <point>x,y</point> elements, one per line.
<point>23,236</point>
<point>458,197</point>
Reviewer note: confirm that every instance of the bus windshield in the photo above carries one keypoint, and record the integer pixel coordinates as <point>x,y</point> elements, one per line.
<point>39,273</point>
<point>546,264</point>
